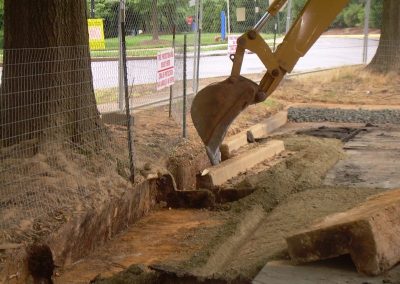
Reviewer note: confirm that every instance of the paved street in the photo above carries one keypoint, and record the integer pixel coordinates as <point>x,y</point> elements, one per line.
<point>326,53</point>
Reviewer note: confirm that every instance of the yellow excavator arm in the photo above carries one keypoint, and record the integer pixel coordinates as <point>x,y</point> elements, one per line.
<point>216,106</point>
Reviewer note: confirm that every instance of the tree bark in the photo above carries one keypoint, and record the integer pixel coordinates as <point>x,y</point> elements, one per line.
<point>47,90</point>
<point>387,57</point>
<point>154,19</point>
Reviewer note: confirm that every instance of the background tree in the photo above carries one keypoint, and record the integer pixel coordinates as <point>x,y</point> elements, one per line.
<point>158,16</point>
<point>47,90</point>
<point>387,57</point>
<point>154,19</point>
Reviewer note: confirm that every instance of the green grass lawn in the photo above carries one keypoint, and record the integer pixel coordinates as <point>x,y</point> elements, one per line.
<point>143,46</point>
<point>143,41</point>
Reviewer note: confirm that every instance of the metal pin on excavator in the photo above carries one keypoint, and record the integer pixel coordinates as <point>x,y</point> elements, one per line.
<point>216,106</point>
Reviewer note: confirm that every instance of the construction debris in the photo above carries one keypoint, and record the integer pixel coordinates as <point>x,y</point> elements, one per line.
<point>370,233</point>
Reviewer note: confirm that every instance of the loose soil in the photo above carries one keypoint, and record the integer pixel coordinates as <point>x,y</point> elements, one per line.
<point>79,178</point>
<point>235,241</point>
<point>239,238</point>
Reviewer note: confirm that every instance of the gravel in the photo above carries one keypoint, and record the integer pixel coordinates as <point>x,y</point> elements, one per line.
<point>308,114</point>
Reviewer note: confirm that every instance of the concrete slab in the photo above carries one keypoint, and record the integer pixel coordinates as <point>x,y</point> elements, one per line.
<point>271,124</point>
<point>372,160</point>
<point>370,233</point>
<point>259,130</point>
<point>218,175</point>
<point>337,271</point>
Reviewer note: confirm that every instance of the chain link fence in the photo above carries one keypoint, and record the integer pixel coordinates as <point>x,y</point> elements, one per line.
<point>56,153</point>
<point>64,144</point>
<point>54,149</point>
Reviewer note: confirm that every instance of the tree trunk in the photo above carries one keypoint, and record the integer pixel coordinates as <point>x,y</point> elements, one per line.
<point>154,19</point>
<point>47,90</point>
<point>387,57</point>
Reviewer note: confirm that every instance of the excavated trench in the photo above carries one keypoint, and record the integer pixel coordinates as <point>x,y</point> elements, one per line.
<point>228,243</point>
<point>233,241</point>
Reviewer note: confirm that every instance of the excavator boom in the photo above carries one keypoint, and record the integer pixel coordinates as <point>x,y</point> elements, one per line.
<point>216,106</point>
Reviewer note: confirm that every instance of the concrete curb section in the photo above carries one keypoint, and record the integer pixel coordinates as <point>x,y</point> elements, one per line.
<point>221,173</point>
<point>259,130</point>
<point>370,233</point>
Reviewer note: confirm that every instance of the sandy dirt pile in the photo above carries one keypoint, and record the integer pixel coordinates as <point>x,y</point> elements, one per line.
<point>287,197</point>
<point>47,187</point>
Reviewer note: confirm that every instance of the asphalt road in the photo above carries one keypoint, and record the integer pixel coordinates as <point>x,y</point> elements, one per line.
<point>326,53</point>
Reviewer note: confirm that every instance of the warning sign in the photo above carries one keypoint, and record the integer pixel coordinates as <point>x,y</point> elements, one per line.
<point>232,44</point>
<point>165,69</point>
<point>96,34</point>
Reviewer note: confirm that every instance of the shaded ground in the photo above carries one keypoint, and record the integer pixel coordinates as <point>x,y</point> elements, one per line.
<point>165,236</point>
<point>63,179</point>
<point>236,242</point>
<point>371,160</point>
<point>239,239</point>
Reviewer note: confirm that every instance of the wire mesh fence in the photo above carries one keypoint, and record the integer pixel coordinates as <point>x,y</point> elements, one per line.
<point>63,125</point>
<point>150,27</point>
<point>54,147</point>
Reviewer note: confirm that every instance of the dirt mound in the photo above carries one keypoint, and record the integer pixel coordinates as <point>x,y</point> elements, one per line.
<point>252,231</point>
<point>62,181</point>
<point>287,197</point>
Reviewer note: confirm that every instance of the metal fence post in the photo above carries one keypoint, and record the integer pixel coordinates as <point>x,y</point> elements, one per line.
<point>92,13</point>
<point>121,71</point>
<point>171,88</point>
<point>126,97</point>
<point>229,16</point>
<point>197,51</point>
<point>366,30</point>
<point>289,16</point>
<point>275,31</point>
<point>184,111</point>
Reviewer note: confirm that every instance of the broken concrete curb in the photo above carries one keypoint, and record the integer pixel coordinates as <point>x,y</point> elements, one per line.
<point>258,130</point>
<point>218,175</point>
<point>370,233</point>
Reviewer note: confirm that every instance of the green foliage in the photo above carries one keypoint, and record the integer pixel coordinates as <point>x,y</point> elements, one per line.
<point>251,17</point>
<point>1,14</point>
<point>211,15</point>
<point>139,14</point>
<point>169,13</point>
<point>376,14</point>
<point>353,16</point>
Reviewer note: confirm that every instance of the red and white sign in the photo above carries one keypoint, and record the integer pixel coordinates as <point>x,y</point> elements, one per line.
<point>165,69</point>
<point>232,44</point>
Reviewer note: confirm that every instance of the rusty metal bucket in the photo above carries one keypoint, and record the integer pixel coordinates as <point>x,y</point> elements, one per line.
<point>216,106</point>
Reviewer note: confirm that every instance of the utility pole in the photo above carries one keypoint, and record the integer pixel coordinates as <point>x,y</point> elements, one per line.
<point>289,16</point>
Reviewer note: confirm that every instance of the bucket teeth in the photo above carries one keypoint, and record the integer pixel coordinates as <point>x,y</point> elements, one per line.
<point>214,155</point>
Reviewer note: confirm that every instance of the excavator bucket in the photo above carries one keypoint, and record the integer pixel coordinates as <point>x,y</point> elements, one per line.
<point>216,106</point>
